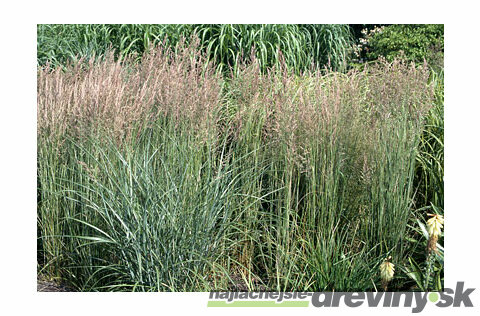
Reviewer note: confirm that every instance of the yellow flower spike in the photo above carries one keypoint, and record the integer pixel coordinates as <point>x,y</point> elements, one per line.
<point>434,225</point>
<point>387,270</point>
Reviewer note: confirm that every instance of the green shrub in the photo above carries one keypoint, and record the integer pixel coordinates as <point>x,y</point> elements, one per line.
<point>417,42</point>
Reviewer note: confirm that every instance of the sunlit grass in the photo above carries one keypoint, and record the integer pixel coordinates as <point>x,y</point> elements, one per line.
<point>156,175</point>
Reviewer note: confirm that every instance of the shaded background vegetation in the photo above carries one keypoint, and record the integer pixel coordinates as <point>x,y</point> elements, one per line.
<point>302,46</point>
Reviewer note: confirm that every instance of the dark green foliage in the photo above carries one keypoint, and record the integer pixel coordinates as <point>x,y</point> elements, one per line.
<point>61,43</point>
<point>417,42</point>
<point>301,46</point>
<point>430,158</point>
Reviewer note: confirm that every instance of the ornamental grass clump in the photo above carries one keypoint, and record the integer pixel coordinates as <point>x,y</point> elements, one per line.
<point>156,175</point>
<point>134,183</point>
<point>337,156</point>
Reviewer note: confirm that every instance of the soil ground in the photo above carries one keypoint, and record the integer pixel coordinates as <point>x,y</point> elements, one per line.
<point>44,285</point>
